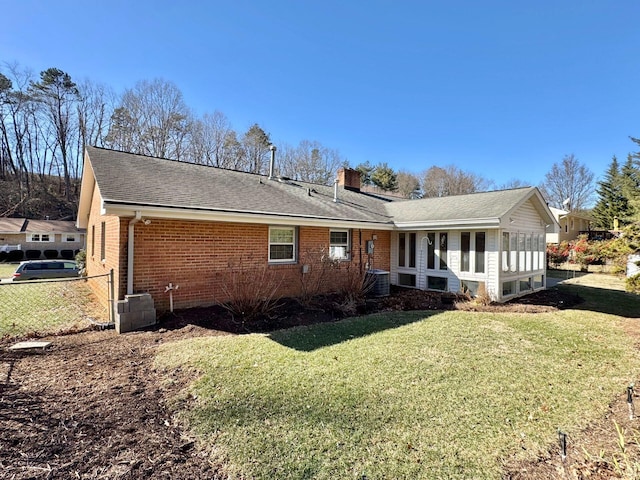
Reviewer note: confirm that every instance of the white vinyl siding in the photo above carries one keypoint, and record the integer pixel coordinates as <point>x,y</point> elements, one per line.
<point>522,267</point>
<point>40,237</point>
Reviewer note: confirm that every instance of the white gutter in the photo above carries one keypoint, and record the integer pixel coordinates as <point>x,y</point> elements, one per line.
<point>130,245</point>
<point>459,224</point>
<point>241,217</point>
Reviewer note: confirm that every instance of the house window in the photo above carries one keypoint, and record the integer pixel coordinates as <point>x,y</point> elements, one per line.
<point>465,248</point>
<point>508,288</point>
<point>339,244</point>
<point>480,247</point>
<point>93,240</point>
<point>69,237</point>
<point>505,251</point>
<point>513,253</point>
<point>39,237</point>
<point>103,241</point>
<point>443,251</point>
<point>412,250</point>
<point>521,252</point>
<point>406,280</point>
<point>534,250</point>
<point>407,250</point>
<point>525,284</point>
<point>436,283</point>
<point>437,248</point>
<point>431,248</point>
<point>470,287</point>
<point>528,251</point>
<point>282,244</point>
<point>538,281</point>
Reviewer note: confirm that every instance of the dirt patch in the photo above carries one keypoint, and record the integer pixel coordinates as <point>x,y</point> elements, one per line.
<point>92,406</point>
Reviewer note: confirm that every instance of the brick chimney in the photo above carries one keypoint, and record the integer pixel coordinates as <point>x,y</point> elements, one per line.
<point>349,178</point>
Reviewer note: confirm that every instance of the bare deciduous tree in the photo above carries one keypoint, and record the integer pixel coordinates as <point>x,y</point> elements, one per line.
<point>408,184</point>
<point>569,184</point>
<point>152,119</point>
<point>310,162</point>
<point>450,180</point>
<point>208,135</point>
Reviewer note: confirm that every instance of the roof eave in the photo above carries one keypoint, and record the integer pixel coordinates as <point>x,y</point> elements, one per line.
<point>453,224</point>
<point>211,215</point>
<point>87,187</point>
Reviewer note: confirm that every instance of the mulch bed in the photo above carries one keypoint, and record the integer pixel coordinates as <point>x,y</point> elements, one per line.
<point>93,407</point>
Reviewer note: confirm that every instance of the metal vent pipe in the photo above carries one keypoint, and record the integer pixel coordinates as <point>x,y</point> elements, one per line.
<point>272,162</point>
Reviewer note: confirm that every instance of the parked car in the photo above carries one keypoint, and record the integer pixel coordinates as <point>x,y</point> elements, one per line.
<point>44,269</point>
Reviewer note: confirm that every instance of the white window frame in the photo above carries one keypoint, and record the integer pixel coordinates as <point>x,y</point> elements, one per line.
<point>65,237</point>
<point>434,246</point>
<point>473,254</point>
<point>38,237</point>
<point>334,246</point>
<point>293,259</point>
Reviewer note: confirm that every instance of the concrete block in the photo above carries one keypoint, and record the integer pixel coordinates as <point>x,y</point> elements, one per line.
<point>123,323</point>
<point>136,312</point>
<point>122,306</point>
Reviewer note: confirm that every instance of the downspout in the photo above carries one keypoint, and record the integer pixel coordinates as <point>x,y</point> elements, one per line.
<point>130,245</point>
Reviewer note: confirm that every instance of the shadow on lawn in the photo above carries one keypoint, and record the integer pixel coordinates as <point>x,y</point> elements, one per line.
<point>613,302</point>
<point>309,338</point>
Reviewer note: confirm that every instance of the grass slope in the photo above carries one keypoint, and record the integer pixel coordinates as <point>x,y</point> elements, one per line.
<point>401,395</point>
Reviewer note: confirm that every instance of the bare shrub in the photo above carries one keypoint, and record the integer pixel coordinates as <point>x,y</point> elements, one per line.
<point>317,269</point>
<point>353,287</point>
<point>250,290</point>
<point>482,297</point>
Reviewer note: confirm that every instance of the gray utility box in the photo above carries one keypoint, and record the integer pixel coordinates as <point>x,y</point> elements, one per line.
<point>135,312</point>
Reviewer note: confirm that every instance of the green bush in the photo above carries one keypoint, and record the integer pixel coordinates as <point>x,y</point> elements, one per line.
<point>633,284</point>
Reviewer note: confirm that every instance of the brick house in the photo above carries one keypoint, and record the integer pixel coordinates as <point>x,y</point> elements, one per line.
<point>59,238</point>
<point>156,221</point>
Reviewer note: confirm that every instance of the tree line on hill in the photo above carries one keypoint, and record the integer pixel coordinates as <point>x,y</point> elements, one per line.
<point>47,120</point>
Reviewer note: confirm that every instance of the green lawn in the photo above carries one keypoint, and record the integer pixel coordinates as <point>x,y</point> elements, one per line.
<point>7,269</point>
<point>401,395</point>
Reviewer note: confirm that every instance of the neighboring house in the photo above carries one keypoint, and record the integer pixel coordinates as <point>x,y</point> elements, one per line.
<point>571,225</point>
<point>156,221</point>
<point>54,236</point>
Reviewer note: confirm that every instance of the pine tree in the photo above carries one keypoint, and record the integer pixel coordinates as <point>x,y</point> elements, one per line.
<point>611,200</point>
<point>384,177</point>
<point>631,183</point>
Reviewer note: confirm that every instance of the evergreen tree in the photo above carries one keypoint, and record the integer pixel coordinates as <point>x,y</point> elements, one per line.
<point>365,169</point>
<point>630,174</point>
<point>60,95</point>
<point>385,178</point>
<point>611,202</point>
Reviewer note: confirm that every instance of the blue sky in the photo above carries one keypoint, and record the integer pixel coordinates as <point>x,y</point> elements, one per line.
<point>500,88</point>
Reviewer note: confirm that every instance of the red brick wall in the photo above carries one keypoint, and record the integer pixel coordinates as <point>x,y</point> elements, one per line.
<point>198,256</point>
<point>113,240</point>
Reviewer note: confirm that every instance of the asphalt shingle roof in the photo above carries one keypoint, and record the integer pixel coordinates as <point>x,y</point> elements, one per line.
<point>22,225</point>
<point>127,178</point>
<point>482,205</point>
<point>11,225</point>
